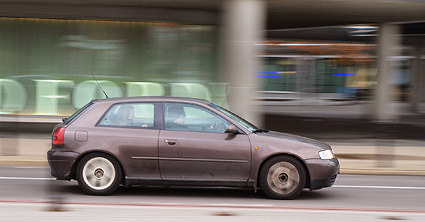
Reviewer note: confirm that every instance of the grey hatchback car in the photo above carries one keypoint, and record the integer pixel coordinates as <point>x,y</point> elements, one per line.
<point>166,141</point>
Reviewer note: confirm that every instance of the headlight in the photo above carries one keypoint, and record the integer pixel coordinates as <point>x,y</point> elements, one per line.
<point>326,155</point>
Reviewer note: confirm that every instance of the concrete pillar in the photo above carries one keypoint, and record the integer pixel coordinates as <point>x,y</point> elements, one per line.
<point>243,27</point>
<point>422,77</point>
<point>389,41</point>
<point>415,80</point>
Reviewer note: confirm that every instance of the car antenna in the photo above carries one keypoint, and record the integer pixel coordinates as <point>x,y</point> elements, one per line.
<point>99,86</point>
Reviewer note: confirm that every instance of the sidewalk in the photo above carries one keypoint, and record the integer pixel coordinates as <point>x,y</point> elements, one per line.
<point>395,158</point>
<point>367,156</point>
<point>39,211</point>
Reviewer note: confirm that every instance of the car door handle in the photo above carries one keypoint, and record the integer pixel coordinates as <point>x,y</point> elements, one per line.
<point>171,142</point>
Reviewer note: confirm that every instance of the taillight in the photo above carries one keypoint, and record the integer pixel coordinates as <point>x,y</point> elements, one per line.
<point>58,135</point>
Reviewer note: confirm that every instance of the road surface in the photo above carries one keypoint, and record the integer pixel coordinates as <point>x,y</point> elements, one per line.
<point>27,193</point>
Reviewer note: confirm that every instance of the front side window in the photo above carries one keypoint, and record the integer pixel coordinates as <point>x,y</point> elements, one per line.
<point>132,115</point>
<point>187,117</point>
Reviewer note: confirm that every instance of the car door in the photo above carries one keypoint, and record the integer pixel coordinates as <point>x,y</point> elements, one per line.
<point>197,148</point>
<point>130,131</point>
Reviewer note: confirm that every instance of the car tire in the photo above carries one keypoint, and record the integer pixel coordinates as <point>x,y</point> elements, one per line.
<point>282,177</point>
<point>99,174</point>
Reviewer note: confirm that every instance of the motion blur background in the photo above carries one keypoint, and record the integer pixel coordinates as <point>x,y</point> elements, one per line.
<point>348,72</point>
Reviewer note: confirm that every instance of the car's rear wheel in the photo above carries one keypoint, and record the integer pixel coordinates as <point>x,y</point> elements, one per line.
<point>99,174</point>
<point>282,177</point>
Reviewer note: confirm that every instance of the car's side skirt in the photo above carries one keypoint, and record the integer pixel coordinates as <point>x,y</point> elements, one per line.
<point>187,182</point>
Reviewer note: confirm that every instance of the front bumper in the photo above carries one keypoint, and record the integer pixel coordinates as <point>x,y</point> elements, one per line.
<point>323,173</point>
<point>61,163</point>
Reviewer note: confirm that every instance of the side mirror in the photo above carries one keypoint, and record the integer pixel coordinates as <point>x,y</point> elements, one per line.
<point>231,129</point>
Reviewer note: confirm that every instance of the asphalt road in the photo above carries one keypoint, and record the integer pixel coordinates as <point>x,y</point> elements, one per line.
<point>26,193</point>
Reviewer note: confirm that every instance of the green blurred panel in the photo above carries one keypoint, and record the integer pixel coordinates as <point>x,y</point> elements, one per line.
<point>128,58</point>
<point>192,90</point>
<point>320,76</point>
<point>13,96</point>
<point>330,68</point>
<point>144,89</point>
<point>219,93</point>
<point>279,75</point>
<point>48,96</point>
<point>89,90</point>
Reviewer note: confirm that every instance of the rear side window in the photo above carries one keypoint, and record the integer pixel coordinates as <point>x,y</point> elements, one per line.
<point>81,110</point>
<point>131,115</point>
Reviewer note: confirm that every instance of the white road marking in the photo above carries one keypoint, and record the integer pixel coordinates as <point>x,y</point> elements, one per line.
<point>379,187</point>
<point>26,178</point>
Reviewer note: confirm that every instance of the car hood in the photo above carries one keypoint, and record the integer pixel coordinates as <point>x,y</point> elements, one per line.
<point>296,138</point>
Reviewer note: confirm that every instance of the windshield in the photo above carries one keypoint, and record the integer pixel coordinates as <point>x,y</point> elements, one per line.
<point>247,125</point>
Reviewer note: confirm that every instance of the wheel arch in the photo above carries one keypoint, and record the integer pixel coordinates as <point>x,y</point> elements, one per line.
<point>75,165</point>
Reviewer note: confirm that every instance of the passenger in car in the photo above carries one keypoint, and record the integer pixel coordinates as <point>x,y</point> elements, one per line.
<point>125,115</point>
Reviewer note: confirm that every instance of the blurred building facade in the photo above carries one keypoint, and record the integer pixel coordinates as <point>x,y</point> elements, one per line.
<point>237,53</point>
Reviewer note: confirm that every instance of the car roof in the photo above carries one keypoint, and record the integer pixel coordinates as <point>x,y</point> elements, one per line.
<point>151,99</point>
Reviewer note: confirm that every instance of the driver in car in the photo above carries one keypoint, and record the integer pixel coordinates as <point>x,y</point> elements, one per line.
<point>176,117</point>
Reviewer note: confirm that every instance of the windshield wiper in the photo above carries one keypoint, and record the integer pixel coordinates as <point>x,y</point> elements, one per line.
<point>260,131</point>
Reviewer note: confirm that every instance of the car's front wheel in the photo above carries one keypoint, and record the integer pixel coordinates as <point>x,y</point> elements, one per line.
<point>99,174</point>
<point>282,177</point>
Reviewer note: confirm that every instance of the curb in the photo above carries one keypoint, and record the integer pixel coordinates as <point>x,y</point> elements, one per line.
<point>20,162</point>
<point>382,172</point>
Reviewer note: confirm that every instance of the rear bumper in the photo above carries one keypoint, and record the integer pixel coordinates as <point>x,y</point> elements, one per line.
<point>323,173</point>
<point>61,163</point>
